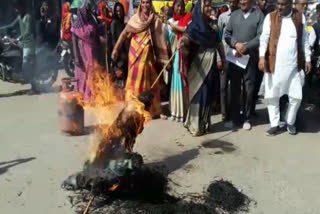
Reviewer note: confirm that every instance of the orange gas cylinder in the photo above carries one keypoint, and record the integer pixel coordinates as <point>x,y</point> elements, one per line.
<point>71,113</point>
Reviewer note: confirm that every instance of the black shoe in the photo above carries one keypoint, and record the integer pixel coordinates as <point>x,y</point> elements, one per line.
<point>273,131</point>
<point>291,129</point>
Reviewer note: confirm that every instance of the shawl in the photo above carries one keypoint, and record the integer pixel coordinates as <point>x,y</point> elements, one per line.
<point>183,22</point>
<point>66,21</point>
<point>82,18</point>
<point>199,31</point>
<point>76,4</point>
<point>106,16</point>
<point>183,19</point>
<point>157,32</point>
<point>65,9</point>
<point>84,27</point>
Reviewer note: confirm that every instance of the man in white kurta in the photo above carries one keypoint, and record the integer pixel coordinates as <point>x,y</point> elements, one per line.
<point>286,79</point>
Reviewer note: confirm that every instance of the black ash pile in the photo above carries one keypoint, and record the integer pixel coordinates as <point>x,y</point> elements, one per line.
<point>145,190</point>
<point>223,195</point>
<point>139,189</point>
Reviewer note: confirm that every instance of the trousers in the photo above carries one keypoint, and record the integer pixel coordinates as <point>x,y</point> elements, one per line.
<point>258,82</point>
<point>28,60</point>
<point>274,111</point>
<point>237,77</point>
<point>225,96</point>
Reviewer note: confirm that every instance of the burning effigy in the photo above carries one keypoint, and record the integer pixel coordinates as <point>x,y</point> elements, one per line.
<point>119,122</point>
<point>111,166</point>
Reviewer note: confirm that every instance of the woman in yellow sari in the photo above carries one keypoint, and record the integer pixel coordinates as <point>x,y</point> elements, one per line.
<point>148,53</point>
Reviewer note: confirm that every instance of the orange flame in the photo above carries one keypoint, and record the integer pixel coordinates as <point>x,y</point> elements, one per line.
<point>106,105</point>
<point>114,187</point>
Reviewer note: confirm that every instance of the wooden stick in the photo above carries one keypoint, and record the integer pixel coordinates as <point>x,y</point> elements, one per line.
<point>88,206</point>
<point>163,69</point>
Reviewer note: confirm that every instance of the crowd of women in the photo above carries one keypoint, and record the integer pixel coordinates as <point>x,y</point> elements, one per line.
<point>137,49</point>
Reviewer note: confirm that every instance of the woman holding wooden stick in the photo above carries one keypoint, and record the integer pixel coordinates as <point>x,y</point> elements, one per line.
<point>147,55</point>
<point>202,37</point>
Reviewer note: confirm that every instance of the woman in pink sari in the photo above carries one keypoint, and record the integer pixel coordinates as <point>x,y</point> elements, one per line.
<point>85,30</point>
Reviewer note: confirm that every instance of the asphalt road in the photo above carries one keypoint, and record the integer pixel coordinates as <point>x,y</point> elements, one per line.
<point>280,173</point>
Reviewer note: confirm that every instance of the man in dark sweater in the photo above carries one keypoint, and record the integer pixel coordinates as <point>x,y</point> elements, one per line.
<point>242,34</point>
<point>224,76</point>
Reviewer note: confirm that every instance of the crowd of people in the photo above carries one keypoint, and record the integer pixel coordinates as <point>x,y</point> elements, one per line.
<point>228,56</point>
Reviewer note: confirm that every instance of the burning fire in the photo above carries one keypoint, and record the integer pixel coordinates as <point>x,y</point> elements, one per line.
<point>118,120</point>
<point>114,187</point>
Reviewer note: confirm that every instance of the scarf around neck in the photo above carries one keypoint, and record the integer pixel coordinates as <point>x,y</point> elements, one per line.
<point>153,24</point>
<point>199,29</point>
